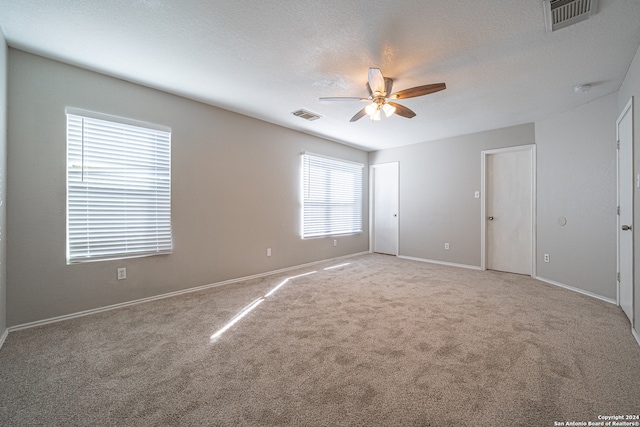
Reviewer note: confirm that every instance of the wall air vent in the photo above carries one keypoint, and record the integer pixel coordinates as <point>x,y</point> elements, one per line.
<point>562,13</point>
<point>307,115</point>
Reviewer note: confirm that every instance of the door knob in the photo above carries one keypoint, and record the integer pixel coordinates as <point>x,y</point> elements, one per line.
<point>626,227</point>
<point>490,218</point>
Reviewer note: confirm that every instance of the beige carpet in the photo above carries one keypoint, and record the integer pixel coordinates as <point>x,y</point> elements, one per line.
<point>381,341</point>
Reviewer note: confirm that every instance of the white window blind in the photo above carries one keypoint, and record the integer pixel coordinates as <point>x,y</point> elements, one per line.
<point>332,196</point>
<point>118,188</point>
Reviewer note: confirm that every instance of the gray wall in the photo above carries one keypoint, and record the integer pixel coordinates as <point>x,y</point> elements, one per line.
<point>631,87</point>
<point>3,180</point>
<point>577,180</point>
<point>235,192</point>
<point>437,184</point>
<point>576,166</point>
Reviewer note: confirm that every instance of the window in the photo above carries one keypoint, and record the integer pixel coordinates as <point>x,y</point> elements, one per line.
<point>332,196</point>
<point>118,188</point>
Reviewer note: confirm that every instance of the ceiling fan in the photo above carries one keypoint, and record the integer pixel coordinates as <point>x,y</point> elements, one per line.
<point>380,97</point>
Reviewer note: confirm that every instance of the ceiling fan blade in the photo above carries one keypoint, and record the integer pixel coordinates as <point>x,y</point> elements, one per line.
<point>376,80</point>
<point>343,98</point>
<point>388,84</point>
<point>418,91</point>
<point>401,110</point>
<point>360,114</point>
<point>369,89</point>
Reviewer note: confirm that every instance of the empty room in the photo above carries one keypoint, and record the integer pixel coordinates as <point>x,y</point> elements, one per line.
<point>353,213</point>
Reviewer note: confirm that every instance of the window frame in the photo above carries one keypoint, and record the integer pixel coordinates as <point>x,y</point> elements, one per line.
<point>132,198</point>
<point>351,204</point>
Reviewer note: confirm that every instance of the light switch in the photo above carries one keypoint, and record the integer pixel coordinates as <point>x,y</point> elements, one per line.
<point>477,194</point>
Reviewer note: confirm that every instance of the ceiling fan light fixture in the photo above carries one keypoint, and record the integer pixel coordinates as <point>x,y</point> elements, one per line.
<point>388,110</point>
<point>379,88</point>
<point>582,88</point>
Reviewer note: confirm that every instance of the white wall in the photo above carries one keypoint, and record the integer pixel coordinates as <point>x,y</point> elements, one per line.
<point>631,87</point>
<point>235,192</point>
<point>577,181</point>
<point>3,187</point>
<point>437,184</point>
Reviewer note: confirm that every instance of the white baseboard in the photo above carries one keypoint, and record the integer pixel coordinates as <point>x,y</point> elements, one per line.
<point>450,264</point>
<point>167,295</point>
<point>4,336</point>
<point>578,290</point>
<point>635,335</point>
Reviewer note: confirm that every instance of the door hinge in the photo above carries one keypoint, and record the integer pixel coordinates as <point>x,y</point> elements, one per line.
<point>618,210</point>
<point>618,145</point>
<point>618,277</point>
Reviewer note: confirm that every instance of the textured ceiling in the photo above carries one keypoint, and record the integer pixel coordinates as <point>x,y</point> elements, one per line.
<point>267,59</point>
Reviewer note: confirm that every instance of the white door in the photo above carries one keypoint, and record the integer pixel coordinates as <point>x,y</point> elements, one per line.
<point>509,190</point>
<point>385,208</point>
<point>625,202</point>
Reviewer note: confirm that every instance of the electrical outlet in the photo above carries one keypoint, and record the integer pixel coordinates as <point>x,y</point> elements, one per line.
<point>446,246</point>
<point>268,251</point>
<point>546,257</point>
<point>335,242</point>
<point>122,273</point>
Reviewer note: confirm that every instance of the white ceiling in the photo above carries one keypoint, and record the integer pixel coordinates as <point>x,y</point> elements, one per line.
<point>267,59</point>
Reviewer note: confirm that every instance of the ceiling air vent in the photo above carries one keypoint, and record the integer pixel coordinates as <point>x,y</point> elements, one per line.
<point>307,115</point>
<point>562,13</point>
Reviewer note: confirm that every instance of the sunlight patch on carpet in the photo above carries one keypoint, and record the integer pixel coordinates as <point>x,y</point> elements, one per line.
<point>272,291</point>
<point>255,303</point>
<point>337,266</point>
<point>233,321</point>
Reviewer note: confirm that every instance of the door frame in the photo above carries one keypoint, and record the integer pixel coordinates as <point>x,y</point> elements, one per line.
<point>627,109</point>
<point>483,202</point>
<point>372,183</point>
